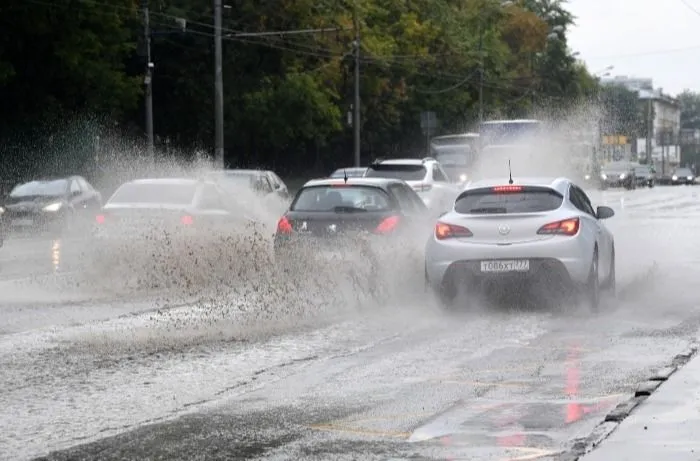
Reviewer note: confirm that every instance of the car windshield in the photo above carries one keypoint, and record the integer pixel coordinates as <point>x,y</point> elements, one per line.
<point>616,168</point>
<point>454,158</point>
<point>341,199</point>
<point>683,172</point>
<point>155,193</point>
<point>404,172</point>
<point>41,188</point>
<point>485,201</point>
<point>641,171</point>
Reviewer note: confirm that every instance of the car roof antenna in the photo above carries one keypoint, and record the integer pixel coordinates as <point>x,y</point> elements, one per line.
<point>345,175</point>
<point>510,174</point>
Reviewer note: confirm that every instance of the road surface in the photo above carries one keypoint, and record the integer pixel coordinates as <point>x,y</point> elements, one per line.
<point>404,380</point>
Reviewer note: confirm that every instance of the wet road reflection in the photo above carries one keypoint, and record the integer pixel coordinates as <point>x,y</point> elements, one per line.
<point>30,257</point>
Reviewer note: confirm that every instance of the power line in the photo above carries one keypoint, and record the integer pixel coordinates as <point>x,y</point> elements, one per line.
<point>648,53</point>
<point>690,7</point>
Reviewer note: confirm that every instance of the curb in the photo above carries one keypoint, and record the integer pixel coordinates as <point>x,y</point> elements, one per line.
<point>602,431</point>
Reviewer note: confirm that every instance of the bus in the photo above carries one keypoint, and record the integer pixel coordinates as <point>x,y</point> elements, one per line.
<point>456,153</point>
<point>508,132</point>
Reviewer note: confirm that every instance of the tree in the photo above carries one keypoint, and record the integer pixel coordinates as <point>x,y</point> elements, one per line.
<point>286,96</point>
<point>690,109</point>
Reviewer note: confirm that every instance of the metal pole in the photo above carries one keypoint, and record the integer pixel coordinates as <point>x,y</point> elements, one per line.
<point>356,104</point>
<point>481,74</point>
<point>219,86</point>
<point>148,80</point>
<point>650,131</point>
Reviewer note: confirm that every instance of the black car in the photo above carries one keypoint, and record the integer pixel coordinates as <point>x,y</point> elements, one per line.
<point>645,176</point>
<point>328,214</point>
<point>50,204</point>
<point>618,174</point>
<point>261,182</point>
<point>682,176</point>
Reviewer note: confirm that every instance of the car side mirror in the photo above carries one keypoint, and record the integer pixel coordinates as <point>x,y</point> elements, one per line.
<point>75,193</point>
<point>604,212</point>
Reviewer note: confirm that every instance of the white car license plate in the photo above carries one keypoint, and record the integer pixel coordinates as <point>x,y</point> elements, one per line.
<point>22,222</point>
<point>520,265</point>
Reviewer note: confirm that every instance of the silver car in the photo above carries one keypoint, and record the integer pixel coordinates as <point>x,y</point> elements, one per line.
<point>530,230</point>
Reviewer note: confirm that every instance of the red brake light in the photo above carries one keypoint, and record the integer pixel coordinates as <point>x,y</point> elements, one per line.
<point>387,225</point>
<point>187,220</point>
<point>446,231</point>
<point>507,189</point>
<point>564,227</point>
<point>100,219</point>
<point>284,226</point>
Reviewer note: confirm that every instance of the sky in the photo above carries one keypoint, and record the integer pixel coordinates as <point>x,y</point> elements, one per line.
<point>657,39</point>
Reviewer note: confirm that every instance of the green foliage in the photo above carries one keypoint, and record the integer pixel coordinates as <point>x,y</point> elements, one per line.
<point>287,96</point>
<point>690,109</point>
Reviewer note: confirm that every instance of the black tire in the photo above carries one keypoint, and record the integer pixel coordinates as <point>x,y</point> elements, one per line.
<point>443,294</point>
<point>591,292</point>
<point>610,285</point>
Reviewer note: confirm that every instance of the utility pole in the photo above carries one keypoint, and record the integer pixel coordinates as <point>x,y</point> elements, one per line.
<point>356,104</point>
<point>219,87</point>
<point>481,74</point>
<point>148,80</point>
<point>650,130</point>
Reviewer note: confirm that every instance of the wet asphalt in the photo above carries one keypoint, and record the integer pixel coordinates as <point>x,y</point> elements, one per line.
<point>400,381</point>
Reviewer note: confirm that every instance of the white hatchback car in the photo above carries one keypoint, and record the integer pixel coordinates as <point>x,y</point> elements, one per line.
<point>543,229</point>
<point>425,176</point>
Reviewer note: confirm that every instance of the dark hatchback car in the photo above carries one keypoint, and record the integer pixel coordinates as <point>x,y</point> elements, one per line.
<point>645,176</point>
<point>618,174</point>
<point>50,205</point>
<point>327,214</point>
<point>683,176</point>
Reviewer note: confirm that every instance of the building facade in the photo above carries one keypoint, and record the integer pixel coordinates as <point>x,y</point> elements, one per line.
<point>664,136</point>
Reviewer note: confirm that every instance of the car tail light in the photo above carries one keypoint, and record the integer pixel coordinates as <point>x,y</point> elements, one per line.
<point>100,219</point>
<point>284,226</point>
<point>187,220</point>
<point>422,187</point>
<point>564,227</point>
<point>387,225</point>
<point>507,189</point>
<point>445,231</point>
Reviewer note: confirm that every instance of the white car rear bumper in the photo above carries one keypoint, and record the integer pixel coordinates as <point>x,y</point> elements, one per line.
<point>570,255</point>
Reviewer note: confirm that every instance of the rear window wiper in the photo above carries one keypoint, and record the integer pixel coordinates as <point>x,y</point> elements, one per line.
<point>348,209</point>
<point>494,210</point>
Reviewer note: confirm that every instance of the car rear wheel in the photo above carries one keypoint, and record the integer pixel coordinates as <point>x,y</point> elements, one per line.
<point>611,282</point>
<point>592,288</point>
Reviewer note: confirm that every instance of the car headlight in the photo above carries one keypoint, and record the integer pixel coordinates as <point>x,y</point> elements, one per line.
<point>2,210</point>
<point>604,176</point>
<point>463,177</point>
<point>622,176</point>
<point>587,177</point>
<point>674,177</point>
<point>53,207</point>
<point>690,178</point>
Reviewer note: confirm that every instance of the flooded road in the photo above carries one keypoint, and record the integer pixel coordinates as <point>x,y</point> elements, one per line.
<point>121,380</point>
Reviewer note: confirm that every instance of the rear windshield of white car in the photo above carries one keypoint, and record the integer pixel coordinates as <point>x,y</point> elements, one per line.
<point>504,200</point>
<point>404,172</point>
<point>341,199</point>
<point>165,194</point>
